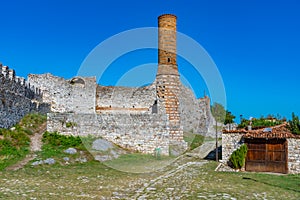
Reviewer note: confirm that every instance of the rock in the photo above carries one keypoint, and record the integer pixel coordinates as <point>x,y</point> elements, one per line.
<point>66,159</point>
<point>114,154</point>
<point>39,162</point>
<point>101,145</point>
<point>49,161</point>
<point>81,160</point>
<point>70,151</point>
<point>103,158</point>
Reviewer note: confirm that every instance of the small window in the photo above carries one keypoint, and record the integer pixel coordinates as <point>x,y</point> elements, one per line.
<point>169,60</point>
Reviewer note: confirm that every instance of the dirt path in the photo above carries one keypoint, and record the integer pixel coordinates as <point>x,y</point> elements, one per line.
<point>35,145</point>
<point>36,139</point>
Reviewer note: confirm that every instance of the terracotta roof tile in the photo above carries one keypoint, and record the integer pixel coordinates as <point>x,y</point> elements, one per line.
<point>279,131</point>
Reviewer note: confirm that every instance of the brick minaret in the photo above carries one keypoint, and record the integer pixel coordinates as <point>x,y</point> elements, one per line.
<point>167,77</point>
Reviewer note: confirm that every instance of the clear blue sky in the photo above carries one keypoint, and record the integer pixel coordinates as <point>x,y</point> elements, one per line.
<point>254,43</point>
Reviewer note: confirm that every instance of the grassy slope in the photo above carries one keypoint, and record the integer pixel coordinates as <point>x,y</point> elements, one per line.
<point>14,144</point>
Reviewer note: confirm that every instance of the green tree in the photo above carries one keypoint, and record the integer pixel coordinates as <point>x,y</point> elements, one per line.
<point>218,112</point>
<point>229,118</point>
<point>244,123</point>
<point>294,124</point>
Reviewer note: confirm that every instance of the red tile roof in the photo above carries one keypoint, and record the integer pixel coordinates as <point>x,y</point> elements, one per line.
<point>280,131</point>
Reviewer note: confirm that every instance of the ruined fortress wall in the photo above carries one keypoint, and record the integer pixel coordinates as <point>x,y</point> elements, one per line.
<point>17,98</point>
<point>195,113</point>
<point>75,95</point>
<point>124,99</point>
<point>137,132</point>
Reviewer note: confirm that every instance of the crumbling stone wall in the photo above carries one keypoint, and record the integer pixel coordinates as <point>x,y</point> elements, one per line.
<point>195,114</point>
<point>137,132</point>
<point>294,155</point>
<point>125,100</point>
<point>74,95</point>
<point>17,98</point>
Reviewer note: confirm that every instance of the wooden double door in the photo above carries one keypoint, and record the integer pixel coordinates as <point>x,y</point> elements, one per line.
<point>266,155</point>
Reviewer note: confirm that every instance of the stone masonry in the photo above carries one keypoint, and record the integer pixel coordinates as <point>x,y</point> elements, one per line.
<point>140,119</point>
<point>167,77</point>
<point>135,132</point>
<point>230,143</point>
<point>75,95</point>
<point>294,155</point>
<point>17,98</point>
<point>137,100</point>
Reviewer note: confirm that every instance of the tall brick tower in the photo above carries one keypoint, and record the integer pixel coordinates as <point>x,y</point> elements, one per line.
<point>167,77</point>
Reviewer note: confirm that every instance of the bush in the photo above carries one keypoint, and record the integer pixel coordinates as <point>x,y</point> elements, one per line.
<point>238,157</point>
<point>260,123</point>
<point>56,139</point>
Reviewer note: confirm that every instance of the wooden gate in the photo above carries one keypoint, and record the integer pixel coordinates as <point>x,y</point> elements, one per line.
<point>266,155</point>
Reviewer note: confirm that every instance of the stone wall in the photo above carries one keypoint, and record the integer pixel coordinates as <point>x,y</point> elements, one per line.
<point>294,155</point>
<point>137,132</point>
<point>75,95</point>
<point>125,100</point>
<point>230,143</point>
<point>195,113</point>
<point>17,98</point>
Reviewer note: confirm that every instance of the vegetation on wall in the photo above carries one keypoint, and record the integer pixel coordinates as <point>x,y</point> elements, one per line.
<point>238,157</point>
<point>70,124</point>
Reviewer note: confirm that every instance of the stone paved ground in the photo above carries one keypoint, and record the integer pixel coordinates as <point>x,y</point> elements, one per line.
<point>186,178</point>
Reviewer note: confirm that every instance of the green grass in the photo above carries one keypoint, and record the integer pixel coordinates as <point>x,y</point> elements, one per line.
<point>14,142</point>
<point>54,145</point>
<point>193,140</point>
<point>139,163</point>
<point>96,180</point>
<point>106,180</point>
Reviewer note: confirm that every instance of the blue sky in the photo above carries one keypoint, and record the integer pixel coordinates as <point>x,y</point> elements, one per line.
<point>255,44</point>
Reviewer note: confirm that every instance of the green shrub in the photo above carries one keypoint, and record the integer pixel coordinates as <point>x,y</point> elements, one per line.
<point>238,157</point>
<point>56,139</point>
<point>260,122</point>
